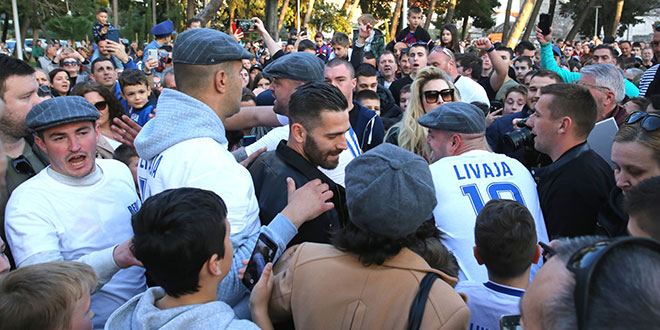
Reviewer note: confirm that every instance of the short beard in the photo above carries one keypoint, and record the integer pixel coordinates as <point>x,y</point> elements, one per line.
<point>317,157</point>
<point>15,130</point>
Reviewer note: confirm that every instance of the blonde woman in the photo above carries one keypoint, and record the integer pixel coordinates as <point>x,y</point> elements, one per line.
<point>431,88</point>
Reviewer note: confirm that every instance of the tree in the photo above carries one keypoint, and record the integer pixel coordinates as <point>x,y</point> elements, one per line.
<point>585,10</point>
<point>429,15</point>
<point>280,22</point>
<point>395,18</point>
<point>308,14</point>
<point>451,7</point>
<point>630,14</point>
<point>507,19</point>
<point>482,11</point>
<point>617,17</point>
<point>531,22</point>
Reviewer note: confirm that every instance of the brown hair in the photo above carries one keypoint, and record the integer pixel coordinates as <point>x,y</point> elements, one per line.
<point>574,101</point>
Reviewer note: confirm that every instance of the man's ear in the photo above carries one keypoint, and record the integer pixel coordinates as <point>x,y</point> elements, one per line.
<point>298,133</point>
<point>221,80</point>
<point>566,125</point>
<point>455,143</point>
<point>213,265</point>
<point>537,255</point>
<point>40,143</point>
<point>476,255</point>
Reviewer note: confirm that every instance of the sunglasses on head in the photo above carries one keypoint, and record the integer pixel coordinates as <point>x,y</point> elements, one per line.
<point>648,121</point>
<point>101,105</point>
<point>447,95</point>
<point>583,265</point>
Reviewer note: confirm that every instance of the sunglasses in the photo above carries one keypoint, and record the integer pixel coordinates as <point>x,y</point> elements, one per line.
<point>69,63</point>
<point>583,264</point>
<point>23,166</point>
<point>444,50</point>
<point>101,105</point>
<point>432,97</point>
<point>648,121</point>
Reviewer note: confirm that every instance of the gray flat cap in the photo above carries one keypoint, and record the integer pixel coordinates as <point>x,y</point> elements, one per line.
<point>207,47</point>
<point>59,111</point>
<point>459,117</point>
<point>389,191</point>
<point>301,66</point>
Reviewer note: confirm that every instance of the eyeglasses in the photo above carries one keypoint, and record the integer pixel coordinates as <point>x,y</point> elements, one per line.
<point>447,95</point>
<point>101,105</point>
<point>583,264</point>
<point>648,121</point>
<point>69,63</point>
<point>22,165</point>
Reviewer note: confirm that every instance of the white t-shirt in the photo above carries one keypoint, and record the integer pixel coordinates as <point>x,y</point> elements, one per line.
<point>337,174</point>
<point>206,164</point>
<point>489,301</point>
<point>463,185</point>
<point>471,91</point>
<point>46,215</point>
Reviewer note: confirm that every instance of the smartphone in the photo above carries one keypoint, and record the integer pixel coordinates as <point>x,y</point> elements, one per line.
<point>245,25</point>
<point>496,105</point>
<point>113,34</point>
<point>263,253</point>
<point>544,23</point>
<point>152,53</point>
<point>510,322</point>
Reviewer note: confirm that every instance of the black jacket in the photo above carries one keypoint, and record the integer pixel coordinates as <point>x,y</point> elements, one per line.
<point>572,190</point>
<point>612,219</point>
<point>269,172</point>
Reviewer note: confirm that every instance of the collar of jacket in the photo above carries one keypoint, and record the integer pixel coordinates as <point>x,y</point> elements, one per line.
<point>407,259</point>
<point>575,152</point>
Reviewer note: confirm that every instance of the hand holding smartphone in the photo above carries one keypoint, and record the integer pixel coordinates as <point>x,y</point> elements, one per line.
<point>544,23</point>
<point>263,253</point>
<point>113,35</point>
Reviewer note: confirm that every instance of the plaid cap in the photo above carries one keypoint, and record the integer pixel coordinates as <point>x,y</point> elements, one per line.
<point>459,117</point>
<point>300,66</point>
<point>207,47</point>
<point>59,111</point>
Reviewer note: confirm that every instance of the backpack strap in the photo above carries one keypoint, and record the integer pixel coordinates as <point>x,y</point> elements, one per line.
<point>419,303</point>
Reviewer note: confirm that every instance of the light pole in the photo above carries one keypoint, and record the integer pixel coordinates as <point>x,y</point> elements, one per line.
<point>596,23</point>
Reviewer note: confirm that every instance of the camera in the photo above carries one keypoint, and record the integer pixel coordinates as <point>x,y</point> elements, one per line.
<point>521,137</point>
<point>245,25</point>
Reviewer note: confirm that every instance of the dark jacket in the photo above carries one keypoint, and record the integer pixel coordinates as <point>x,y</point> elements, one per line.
<point>397,85</point>
<point>367,126</point>
<point>572,190</point>
<point>390,113</point>
<point>269,172</point>
<point>377,47</point>
<point>419,35</point>
<point>612,219</point>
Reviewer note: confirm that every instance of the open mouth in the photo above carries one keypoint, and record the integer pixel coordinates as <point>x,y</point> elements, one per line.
<point>77,161</point>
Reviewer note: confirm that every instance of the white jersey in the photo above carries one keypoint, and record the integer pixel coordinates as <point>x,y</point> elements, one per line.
<point>463,185</point>
<point>489,301</point>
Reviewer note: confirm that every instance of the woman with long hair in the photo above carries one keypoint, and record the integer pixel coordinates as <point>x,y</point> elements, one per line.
<point>449,38</point>
<point>109,108</point>
<point>431,88</point>
<point>59,80</point>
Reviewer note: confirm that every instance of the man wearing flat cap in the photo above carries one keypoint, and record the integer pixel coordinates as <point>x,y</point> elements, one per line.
<point>78,208</point>
<point>466,176</point>
<point>185,146</point>
<point>369,276</point>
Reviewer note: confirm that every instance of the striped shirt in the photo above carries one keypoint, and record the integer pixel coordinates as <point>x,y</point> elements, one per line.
<point>647,79</point>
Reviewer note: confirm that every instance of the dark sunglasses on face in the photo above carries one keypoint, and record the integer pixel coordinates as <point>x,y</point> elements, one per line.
<point>447,95</point>
<point>22,165</point>
<point>648,121</point>
<point>583,265</point>
<point>69,63</point>
<point>101,105</point>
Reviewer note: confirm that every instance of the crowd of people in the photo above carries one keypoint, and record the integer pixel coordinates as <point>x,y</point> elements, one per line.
<point>409,183</point>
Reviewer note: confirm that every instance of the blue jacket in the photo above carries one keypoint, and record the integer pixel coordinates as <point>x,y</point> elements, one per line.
<point>368,127</point>
<point>141,116</point>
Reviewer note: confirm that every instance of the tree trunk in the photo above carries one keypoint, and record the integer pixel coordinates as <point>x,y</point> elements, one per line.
<point>429,15</point>
<point>209,11</point>
<point>354,6</point>
<point>271,18</point>
<point>523,17</point>
<point>232,13</point>
<point>115,13</point>
<point>450,11</point>
<point>531,22</point>
<point>308,14</point>
<point>346,6</point>
<point>551,9</point>
<point>153,12</point>
<point>395,18</point>
<point>5,27</point>
<point>190,9</point>
<point>617,17</point>
<point>465,24</point>
<point>280,22</point>
<point>507,20</point>
<point>586,9</point>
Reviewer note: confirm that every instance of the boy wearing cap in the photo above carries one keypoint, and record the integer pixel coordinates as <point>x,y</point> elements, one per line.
<point>466,176</point>
<point>369,270</point>
<point>78,208</point>
<point>162,36</point>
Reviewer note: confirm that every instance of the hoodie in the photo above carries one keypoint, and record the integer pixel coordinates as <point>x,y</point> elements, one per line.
<point>140,313</point>
<point>184,145</point>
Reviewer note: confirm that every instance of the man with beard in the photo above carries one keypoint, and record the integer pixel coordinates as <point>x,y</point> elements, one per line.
<point>78,208</point>
<point>318,120</point>
<point>18,94</point>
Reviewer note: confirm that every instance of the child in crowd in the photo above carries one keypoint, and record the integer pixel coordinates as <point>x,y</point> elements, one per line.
<point>369,99</point>
<point>135,89</point>
<point>50,295</point>
<point>505,238</point>
<point>413,33</point>
<point>341,46</point>
<point>100,29</point>
<point>404,96</point>
<point>182,238</point>
<point>515,99</point>
<point>128,156</point>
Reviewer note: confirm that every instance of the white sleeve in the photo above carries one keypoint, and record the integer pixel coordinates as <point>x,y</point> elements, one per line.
<point>270,140</point>
<point>284,120</point>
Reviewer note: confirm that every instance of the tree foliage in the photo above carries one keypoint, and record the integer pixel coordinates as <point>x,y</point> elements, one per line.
<point>631,11</point>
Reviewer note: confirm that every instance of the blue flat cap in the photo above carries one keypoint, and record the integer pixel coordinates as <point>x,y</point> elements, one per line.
<point>59,111</point>
<point>401,175</point>
<point>459,117</point>
<point>163,28</point>
<point>207,47</point>
<point>301,66</point>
